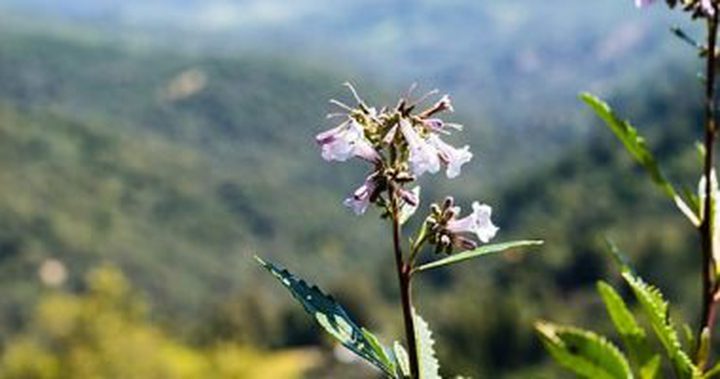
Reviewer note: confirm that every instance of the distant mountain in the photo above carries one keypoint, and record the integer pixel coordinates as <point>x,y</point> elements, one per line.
<point>496,55</point>
<point>178,161</point>
<point>177,168</point>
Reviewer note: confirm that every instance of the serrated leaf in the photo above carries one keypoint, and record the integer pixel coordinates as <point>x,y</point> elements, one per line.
<point>632,335</point>
<point>651,368</point>
<point>636,146</point>
<point>656,310</point>
<point>403,360</point>
<point>479,252</point>
<point>335,320</point>
<point>587,354</point>
<point>429,366</point>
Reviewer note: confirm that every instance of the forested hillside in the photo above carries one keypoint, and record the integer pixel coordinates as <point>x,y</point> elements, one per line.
<point>177,167</point>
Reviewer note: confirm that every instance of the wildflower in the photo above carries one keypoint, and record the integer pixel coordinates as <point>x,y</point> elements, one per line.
<point>707,6</point>
<point>442,105</point>
<point>643,3</point>
<point>361,198</point>
<point>478,222</point>
<point>346,141</point>
<point>423,156</point>
<point>453,157</point>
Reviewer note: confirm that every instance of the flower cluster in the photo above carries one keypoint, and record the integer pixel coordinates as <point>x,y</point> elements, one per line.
<point>447,232</point>
<point>698,7</point>
<point>401,144</point>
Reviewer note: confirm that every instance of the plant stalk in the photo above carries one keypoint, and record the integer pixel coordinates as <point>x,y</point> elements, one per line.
<point>709,282</point>
<point>404,273</point>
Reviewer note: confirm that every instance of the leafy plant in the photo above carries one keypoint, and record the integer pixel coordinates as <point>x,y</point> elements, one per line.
<point>591,355</point>
<point>400,144</point>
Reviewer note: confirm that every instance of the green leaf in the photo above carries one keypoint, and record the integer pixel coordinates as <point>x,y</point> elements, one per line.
<point>703,352</point>
<point>632,335</point>
<point>587,354</point>
<point>403,360</point>
<point>481,251</point>
<point>335,320</point>
<point>657,311</point>
<point>651,368</point>
<point>689,336</point>
<point>713,372</point>
<point>428,364</point>
<point>636,146</point>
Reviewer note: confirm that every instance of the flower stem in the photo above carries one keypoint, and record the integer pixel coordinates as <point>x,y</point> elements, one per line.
<point>709,282</point>
<point>404,272</point>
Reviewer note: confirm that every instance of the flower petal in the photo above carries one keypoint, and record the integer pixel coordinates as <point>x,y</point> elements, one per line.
<point>360,199</point>
<point>453,157</point>
<point>478,222</point>
<point>423,156</point>
<point>346,141</point>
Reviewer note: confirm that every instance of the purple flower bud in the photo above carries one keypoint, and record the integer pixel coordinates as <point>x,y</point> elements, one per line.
<point>423,156</point>
<point>444,104</point>
<point>434,124</point>
<point>453,157</point>
<point>478,222</point>
<point>360,199</point>
<point>346,141</point>
<point>410,197</point>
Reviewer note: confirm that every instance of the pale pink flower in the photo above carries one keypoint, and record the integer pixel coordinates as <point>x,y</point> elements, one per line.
<point>346,141</point>
<point>478,223</point>
<point>453,157</point>
<point>423,156</point>
<point>360,199</point>
<point>707,7</point>
<point>643,3</point>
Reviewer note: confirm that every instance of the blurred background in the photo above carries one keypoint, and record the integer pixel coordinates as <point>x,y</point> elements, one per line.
<point>148,148</point>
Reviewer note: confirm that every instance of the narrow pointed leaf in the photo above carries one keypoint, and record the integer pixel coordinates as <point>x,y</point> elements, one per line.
<point>689,336</point>
<point>427,362</point>
<point>587,354</point>
<point>335,320</point>
<point>632,335</point>
<point>638,149</point>
<point>656,310</point>
<point>403,360</point>
<point>479,252</point>
<point>703,352</point>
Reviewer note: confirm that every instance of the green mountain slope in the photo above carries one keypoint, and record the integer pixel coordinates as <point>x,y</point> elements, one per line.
<point>176,168</point>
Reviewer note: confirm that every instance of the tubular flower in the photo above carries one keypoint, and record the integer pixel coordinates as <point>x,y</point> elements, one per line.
<point>478,223</point>
<point>361,198</point>
<point>453,157</point>
<point>346,141</point>
<point>423,156</point>
<point>400,143</point>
